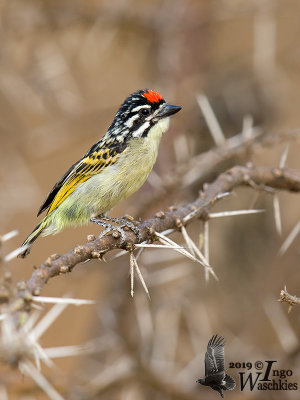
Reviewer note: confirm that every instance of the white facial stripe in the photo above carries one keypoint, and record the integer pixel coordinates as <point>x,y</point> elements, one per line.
<point>140,107</point>
<point>131,120</point>
<point>152,116</point>
<point>141,130</point>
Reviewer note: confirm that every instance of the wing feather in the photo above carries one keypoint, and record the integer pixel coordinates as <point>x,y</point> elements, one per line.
<point>214,356</point>
<point>94,161</point>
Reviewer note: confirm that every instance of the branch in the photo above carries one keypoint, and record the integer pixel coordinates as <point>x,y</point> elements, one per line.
<point>259,178</point>
<point>285,297</point>
<point>201,167</point>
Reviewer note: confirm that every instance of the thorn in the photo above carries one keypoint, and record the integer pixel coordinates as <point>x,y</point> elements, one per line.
<point>8,236</point>
<point>206,245</point>
<point>233,213</point>
<point>247,130</point>
<point>211,120</point>
<point>134,266</point>
<point>254,199</point>
<point>283,157</point>
<point>289,240</point>
<point>167,241</point>
<point>197,252</point>
<point>157,246</point>
<point>62,300</point>
<point>15,253</point>
<point>40,380</point>
<point>48,320</point>
<point>277,215</point>
<point>131,272</point>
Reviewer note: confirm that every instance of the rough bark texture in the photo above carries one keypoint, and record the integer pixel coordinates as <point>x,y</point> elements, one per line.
<point>259,178</point>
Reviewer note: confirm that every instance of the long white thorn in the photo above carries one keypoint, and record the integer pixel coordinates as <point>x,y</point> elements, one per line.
<point>136,267</point>
<point>206,246</point>
<point>131,262</point>
<point>193,214</point>
<point>157,246</point>
<point>28,369</point>
<point>234,213</point>
<point>40,354</point>
<point>289,240</point>
<point>247,131</point>
<point>176,247</point>
<point>168,231</point>
<point>196,252</point>
<point>283,157</point>
<point>189,242</point>
<point>48,320</point>
<point>71,351</point>
<point>119,254</point>
<point>277,216</point>
<point>62,300</point>
<point>28,326</point>
<point>254,199</point>
<point>15,253</point>
<point>211,120</point>
<point>139,254</point>
<point>8,236</point>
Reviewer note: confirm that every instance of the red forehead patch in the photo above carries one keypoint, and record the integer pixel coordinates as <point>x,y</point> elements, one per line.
<point>152,96</point>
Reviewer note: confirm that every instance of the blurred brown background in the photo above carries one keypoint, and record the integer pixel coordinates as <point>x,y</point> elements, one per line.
<point>65,67</point>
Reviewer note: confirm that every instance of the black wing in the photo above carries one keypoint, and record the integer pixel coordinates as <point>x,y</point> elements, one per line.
<point>56,188</point>
<point>214,356</point>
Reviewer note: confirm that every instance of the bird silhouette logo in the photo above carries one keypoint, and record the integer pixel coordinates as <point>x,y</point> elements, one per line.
<point>215,375</point>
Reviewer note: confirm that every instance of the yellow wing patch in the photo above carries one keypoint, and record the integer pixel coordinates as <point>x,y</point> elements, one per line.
<point>90,165</point>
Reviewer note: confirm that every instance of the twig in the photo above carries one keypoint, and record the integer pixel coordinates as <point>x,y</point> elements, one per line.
<point>285,297</point>
<point>283,179</point>
<point>200,167</point>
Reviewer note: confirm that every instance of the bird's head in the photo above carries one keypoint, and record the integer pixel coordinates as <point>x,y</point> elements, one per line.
<point>140,112</point>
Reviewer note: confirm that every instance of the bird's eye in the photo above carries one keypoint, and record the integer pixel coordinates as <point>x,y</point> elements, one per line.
<point>145,112</point>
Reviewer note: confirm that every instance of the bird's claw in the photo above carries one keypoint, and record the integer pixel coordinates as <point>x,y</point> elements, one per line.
<point>123,223</point>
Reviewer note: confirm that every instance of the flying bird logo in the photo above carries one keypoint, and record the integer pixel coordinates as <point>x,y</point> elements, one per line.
<point>215,375</point>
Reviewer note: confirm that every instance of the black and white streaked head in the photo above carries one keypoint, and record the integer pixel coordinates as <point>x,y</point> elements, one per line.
<point>139,113</point>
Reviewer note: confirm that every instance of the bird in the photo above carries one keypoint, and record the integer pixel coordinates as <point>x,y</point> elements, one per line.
<point>215,375</point>
<point>113,169</point>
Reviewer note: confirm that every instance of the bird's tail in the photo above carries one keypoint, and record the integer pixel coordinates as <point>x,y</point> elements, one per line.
<point>229,382</point>
<point>28,242</point>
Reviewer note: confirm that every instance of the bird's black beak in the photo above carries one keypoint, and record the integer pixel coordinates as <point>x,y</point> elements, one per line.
<point>167,110</point>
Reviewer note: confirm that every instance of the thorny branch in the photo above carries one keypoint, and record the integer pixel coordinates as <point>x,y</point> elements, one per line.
<point>285,297</point>
<point>259,178</point>
<point>199,168</point>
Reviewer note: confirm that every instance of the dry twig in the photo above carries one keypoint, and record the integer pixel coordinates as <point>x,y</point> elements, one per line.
<point>260,178</point>
<point>285,297</point>
<point>200,167</point>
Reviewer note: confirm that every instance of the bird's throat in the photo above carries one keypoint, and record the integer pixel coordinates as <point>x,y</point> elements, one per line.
<point>158,129</point>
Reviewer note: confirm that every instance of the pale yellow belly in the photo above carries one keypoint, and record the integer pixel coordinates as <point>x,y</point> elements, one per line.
<point>103,191</point>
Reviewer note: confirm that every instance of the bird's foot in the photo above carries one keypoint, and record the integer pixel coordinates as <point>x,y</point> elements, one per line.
<point>109,228</point>
<point>125,222</point>
<point>122,222</point>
